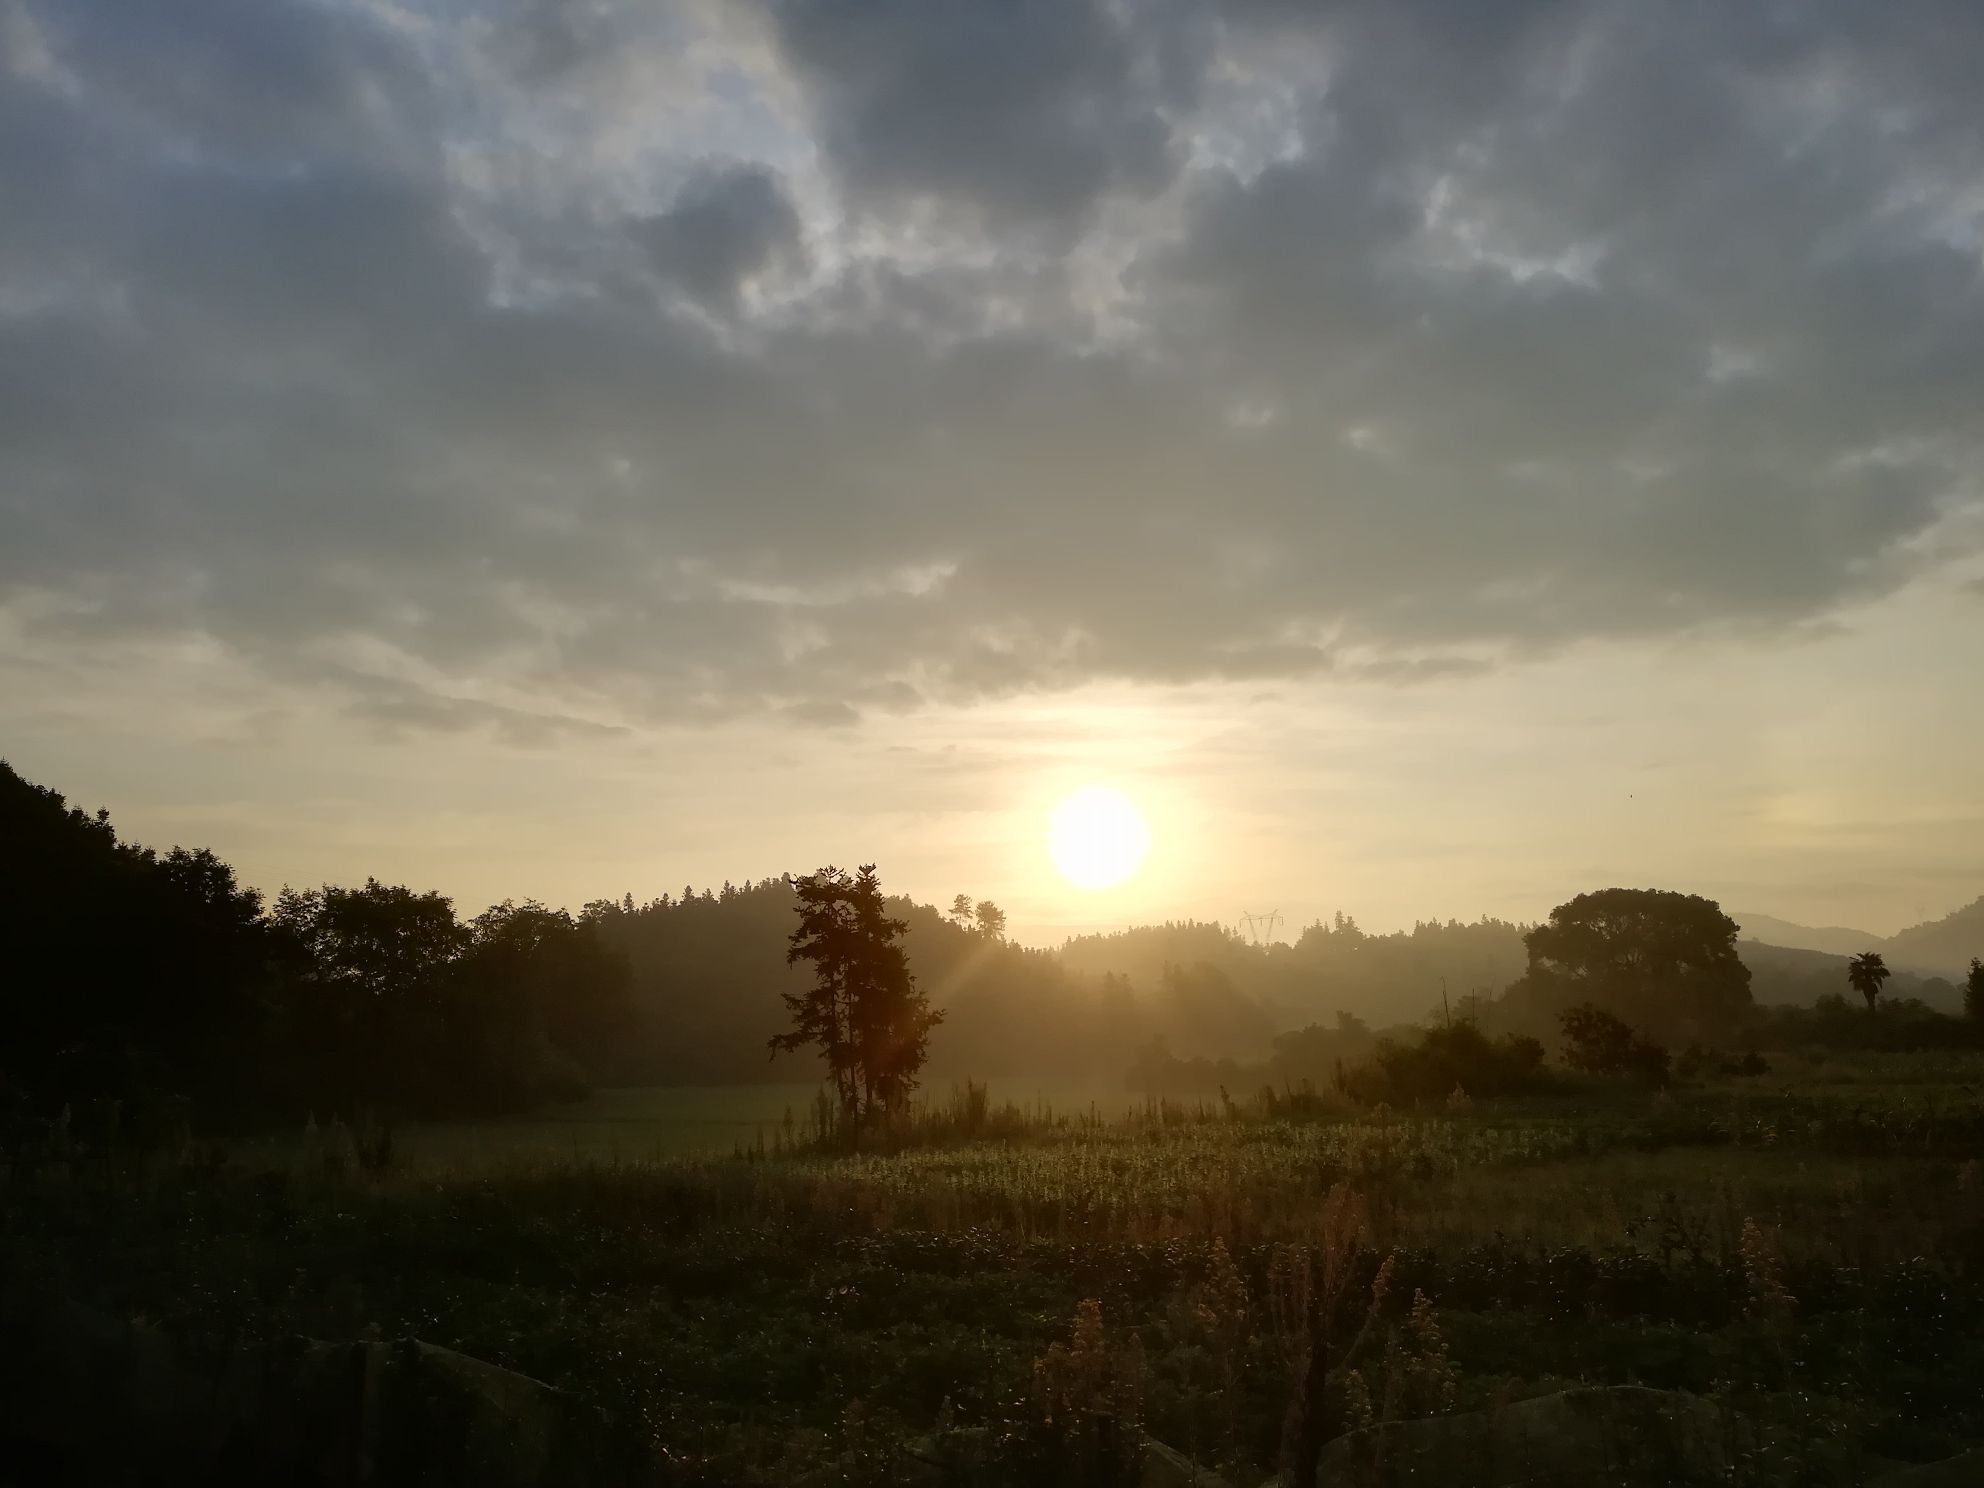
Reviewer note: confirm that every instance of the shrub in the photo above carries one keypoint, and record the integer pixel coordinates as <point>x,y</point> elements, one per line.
<point>1458,1057</point>
<point>1086,1421</point>
<point>1599,1043</point>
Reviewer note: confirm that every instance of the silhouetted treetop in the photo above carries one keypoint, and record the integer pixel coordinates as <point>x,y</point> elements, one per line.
<point>863,1010</point>
<point>1665,962</point>
<point>1865,973</point>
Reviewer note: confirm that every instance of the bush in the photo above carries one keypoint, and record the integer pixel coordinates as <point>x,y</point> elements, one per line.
<point>1083,1426</point>
<point>1599,1043</point>
<point>1458,1057</point>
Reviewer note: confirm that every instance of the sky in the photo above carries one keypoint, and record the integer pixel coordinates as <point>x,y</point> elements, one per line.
<point>1433,457</point>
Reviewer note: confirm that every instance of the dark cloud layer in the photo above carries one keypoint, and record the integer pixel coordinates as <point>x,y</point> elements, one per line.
<point>1027,110</point>
<point>727,224</point>
<point>1024,345</point>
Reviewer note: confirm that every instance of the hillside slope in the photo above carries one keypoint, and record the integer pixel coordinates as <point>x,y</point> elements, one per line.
<point>1942,946</point>
<point>1834,940</point>
<point>1939,948</point>
<point>1791,976</point>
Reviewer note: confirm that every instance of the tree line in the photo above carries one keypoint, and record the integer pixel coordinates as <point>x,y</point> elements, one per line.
<point>139,975</point>
<point>128,970</point>
<point>146,976</point>
<point>1631,983</point>
<point>132,970</point>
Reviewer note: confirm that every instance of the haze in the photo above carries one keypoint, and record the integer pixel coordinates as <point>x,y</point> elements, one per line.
<point>1433,459</point>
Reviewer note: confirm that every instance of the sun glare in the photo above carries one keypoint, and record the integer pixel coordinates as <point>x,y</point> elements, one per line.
<point>1097,838</point>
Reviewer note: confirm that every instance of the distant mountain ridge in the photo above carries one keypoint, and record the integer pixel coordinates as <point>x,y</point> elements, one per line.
<point>1834,940</point>
<point>1934,947</point>
<point>1944,945</point>
<point>1793,976</point>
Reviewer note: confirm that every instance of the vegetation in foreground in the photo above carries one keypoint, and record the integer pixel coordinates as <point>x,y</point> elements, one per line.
<point>1810,1253</point>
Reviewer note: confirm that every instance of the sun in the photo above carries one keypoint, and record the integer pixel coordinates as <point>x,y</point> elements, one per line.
<point>1097,838</point>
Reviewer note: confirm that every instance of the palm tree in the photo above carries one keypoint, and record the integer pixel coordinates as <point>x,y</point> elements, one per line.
<point>1865,973</point>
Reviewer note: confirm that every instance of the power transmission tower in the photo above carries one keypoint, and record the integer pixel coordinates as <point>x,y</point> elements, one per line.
<point>1260,927</point>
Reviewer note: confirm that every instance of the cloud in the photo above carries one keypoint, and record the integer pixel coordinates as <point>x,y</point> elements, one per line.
<point>729,223</point>
<point>400,709</point>
<point>999,347</point>
<point>821,715</point>
<point>1029,112</point>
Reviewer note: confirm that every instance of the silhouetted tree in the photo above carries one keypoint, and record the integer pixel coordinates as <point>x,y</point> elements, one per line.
<point>990,918</point>
<point>536,1003</point>
<point>375,996</point>
<point>1865,973</point>
<point>961,909</point>
<point>1973,992</point>
<point>864,1011</point>
<point>1600,1044</point>
<point>218,995</point>
<point>823,1014</point>
<point>1662,961</point>
<point>123,971</point>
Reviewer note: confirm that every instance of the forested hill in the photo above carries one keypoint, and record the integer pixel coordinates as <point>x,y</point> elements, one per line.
<point>1331,967</point>
<point>1935,948</point>
<point>1942,946</point>
<point>709,968</point>
<point>129,969</point>
<point>1783,976</point>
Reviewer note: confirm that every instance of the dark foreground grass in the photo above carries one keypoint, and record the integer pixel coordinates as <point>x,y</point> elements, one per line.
<point>1815,1263</point>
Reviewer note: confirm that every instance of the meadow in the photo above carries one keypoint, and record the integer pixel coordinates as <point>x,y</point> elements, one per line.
<point>769,1303</point>
<point>638,1124</point>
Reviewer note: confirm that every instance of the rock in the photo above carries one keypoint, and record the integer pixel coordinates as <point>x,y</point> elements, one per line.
<point>1164,1468</point>
<point>1604,1438</point>
<point>410,1412</point>
<point>92,1398</point>
<point>1965,1470</point>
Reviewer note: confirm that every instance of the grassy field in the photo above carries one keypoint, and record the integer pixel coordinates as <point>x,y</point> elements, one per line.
<point>1807,1247</point>
<point>652,1123</point>
<point>628,1125</point>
